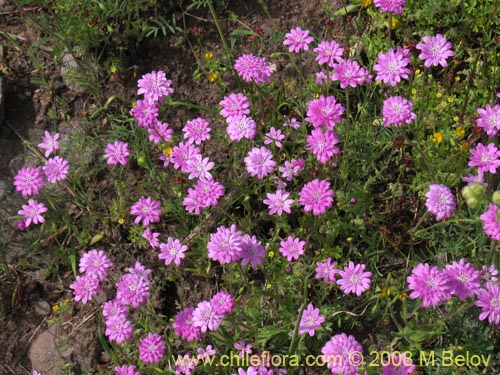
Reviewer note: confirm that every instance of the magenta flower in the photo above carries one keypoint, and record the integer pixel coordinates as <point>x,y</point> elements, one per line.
<point>310,321</point>
<point>390,6</point>
<point>197,130</point>
<point>56,169</point>
<point>322,144</point>
<point>489,119</point>
<point>320,78</point>
<point>398,365</point>
<point>324,111</point>
<point>241,127</point>
<point>489,301</point>
<point>292,123</point>
<point>113,308</point>
<point>243,348</point>
<point>253,69</point>
<point>154,86</point>
<point>353,279</point>
<point>486,158</point>
<point>132,290</point>
<point>147,210</point>
<point>316,196</point>
<point>489,273</point>
<point>328,52</point>
<point>259,162</point>
<point>117,153</point>
<point>160,132</point>
<point>350,73</point>
<point>118,329</point>
<point>126,370</point>
<point>234,105</point>
<point>391,67</point>
<point>278,202</point>
<point>252,251</point>
<point>297,40</point>
<point>182,153</point>
<point>225,245</point>
<point>206,354</point>
<point>49,143</point>
<point>491,222</point>
<point>28,180</point>
<point>292,248</point>
<point>292,168</point>
<point>184,327</point>
<point>32,212</point>
<point>222,303</point>
<point>172,251</point>
<point>440,201</point>
<point>185,364</point>
<point>151,348</point>
<point>151,237</point>
<point>205,193</point>
<point>396,110</point>
<point>428,283</point>
<point>141,271</point>
<point>470,179</point>
<point>342,355</point>
<point>327,271</point>
<point>199,167</point>
<point>205,317</point>
<point>95,263</point>
<point>145,113</point>
<point>85,287</point>
<point>463,279</point>
<point>435,51</point>
<point>274,136</point>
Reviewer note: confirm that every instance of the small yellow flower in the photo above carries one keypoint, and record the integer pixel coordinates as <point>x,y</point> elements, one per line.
<point>298,273</point>
<point>268,286</point>
<point>444,103</point>
<point>67,301</point>
<point>394,23</point>
<point>209,55</point>
<point>464,147</point>
<point>437,137</point>
<point>386,292</point>
<point>113,69</point>
<point>212,76</point>
<point>121,220</point>
<point>457,79</point>
<point>134,104</point>
<point>316,95</point>
<point>451,99</point>
<point>417,71</point>
<point>429,76</point>
<point>270,254</point>
<point>438,95</point>
<point>367,3</point>
<point>167,151</point>
<point>413,91</point>
<point>455,118</point>
<point>55,308</point>
<point>459,131</point>
<point>402,296</point>
<point>349,239</point>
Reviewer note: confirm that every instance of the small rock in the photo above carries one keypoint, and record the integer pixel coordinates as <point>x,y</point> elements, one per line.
<point>44,354</point>
<point>42,308</point>
<point>71,73</point>
<point>5,187</point>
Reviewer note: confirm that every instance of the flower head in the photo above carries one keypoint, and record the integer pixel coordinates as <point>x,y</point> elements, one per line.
<point>205,317</point>
<point>252,251</point>
<point>56,169</point>
<point>154,86</point>
<point>297,40</point>
<point>489,301</point>
<point>322,144</point>
<point>435,50</point>
<point>32,212</point>
<point>428,283</point>
<point>353,279</point>
<point>147,210</point>
<point>463,279</point>
<point>342,355</point>
<point>259,162</point>
<point>253,69</point>
<point>225,245</point>
<point>328,52</point>
<point>95,263</point>
<point>390,6</point>
<point>172,251</point>
<point>145,113</point>
<point>278,202</point>
<point>489,119</point>
<point>440,201</point>
<point>327,271</point>
<point>133,290</point>
<point>241,127</point>
<point>222,303</point>
<point>197,130</point>
<point>310,321</point>
<point>491,223</point>
<point>118,329</point>
<point>85,287</point>
<point>184,327</point>
<point>117,153</point>
<point>28,180</point>
<point>49,143</point>
<point>486,158</point>
<point>350,73</point>
<point>292,248</point>
<point>151,348</point>
<point>396,110</point>
<point>391,67</point>
<point>274,136</point>
<point>234,105</point>
<point>182,153</point>
<point>324,111</point>
<point>316,196</point>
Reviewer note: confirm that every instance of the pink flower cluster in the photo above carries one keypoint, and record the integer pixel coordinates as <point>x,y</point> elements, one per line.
<point>353,278</point>
<point>253,69</point>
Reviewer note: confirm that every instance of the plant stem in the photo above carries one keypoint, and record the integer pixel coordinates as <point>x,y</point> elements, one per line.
<point>221,33</point>
<point>295,336</point>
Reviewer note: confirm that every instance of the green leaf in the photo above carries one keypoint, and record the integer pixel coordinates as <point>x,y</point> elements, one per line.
<point>97,238</point>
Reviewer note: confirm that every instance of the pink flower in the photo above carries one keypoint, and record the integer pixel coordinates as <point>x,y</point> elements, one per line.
<point>463,279</point>
<point>278,202</point>
<point>147,210</point>
<point>440,201</point>
<point>489,119</point>
<point>184,327</point>
<point>172,251</point>
<point>316,196</point>
<point>327,271</point>
<point>252,251</point>
<point>392,66</point>
<point>145,113</point>
<point>28,180</point>
<point>259,162</point>
<point>297,40</point>
<point>205,317</point>
<point>197,130</point>
<point>241,127</point>
<point>222,303</point>
<point>398,365</point>
<point>253,69</point>
<point>85,287</point>
<point>328,52</point>
<point>118,329</point>
<point>350,73</point>
<point>292,168</point>
<point>322,144</point>
<point>113,308</point>
<point>126,370</point>
<point>234,105</point>
<point>292,123</point>
<point>324,111</point>
<point>95,263</point>
<point>151,237</point>
<point>342,355</point>
<point>132,290</point>
<point>154,86</point>
<point>353,279</point>
<point>489,273</point>
<point>185,364</point>
<point>32,212</point>
<point>489,301</point>
<point>396,110</point>
<point>292,248</point>
<point>49,143</point>
<point>117,153</point>
<point>390,6</point>
<point>198,167</point>
<point>160,132</point>
<point>225,245</point>
<point>310,321</point>
<point>243,348</point>
<point>486,158</point>
<point>491,222</point>
<point>274,136</point>
<point>151,348</point>
<point>428,283</point>
<point>56,169</point>
<point>435,51</point>
<point>181,154</point>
